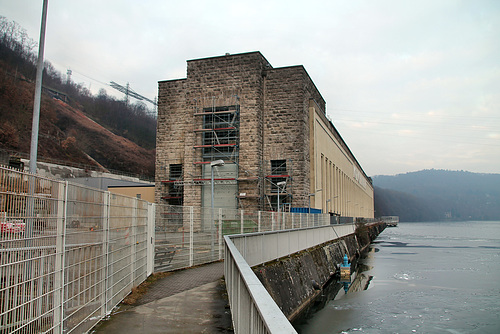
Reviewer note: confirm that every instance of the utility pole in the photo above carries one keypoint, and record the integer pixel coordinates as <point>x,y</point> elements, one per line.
<point>38,92</point>
<point>126,93</point>
<point>129,92</point>
<point>68,77</point>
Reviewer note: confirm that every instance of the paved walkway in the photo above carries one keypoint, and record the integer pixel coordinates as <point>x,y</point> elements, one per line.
<point>187,301</point>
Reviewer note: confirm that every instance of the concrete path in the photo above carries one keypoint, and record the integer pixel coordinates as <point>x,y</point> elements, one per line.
<point>187,301</point>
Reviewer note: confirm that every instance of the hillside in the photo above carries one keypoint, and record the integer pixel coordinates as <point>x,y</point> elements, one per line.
<point>66,133</point>
<point>438,195</point>
<point>99,132</point>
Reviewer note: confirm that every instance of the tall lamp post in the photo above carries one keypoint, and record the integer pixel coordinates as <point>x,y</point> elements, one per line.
<point>309,210</point>
<point>280,184</point>
<point>216,163</point>
<point>333,208</point>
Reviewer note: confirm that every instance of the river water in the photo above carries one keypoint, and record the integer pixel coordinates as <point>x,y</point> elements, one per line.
<point>427,278</point>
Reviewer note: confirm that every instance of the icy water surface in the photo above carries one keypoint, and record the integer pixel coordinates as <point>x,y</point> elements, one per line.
<point>427,278</point>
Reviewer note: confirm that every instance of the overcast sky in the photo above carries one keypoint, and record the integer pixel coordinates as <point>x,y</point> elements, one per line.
<point>410,85</point>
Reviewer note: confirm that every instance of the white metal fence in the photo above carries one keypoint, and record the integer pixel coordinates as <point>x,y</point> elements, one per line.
<point>69,254</point>
<point>187,236</point>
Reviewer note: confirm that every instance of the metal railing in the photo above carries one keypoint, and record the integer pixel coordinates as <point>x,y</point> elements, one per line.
<point>187,236</point>
<point>258,248</point>
<point>69,253</point>
<point>252,308</point>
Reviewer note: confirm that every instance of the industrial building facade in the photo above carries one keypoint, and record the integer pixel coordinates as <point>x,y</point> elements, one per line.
<point>269,127</point>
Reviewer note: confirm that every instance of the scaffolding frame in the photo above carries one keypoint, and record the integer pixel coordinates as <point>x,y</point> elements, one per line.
<point>220,132</point>
<point>217,136</point>
<point>281,171</point>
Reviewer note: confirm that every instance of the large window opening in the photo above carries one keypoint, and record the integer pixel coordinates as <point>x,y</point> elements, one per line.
<point>175,185</point>
<point>221,133</point>
<point>278,174</point>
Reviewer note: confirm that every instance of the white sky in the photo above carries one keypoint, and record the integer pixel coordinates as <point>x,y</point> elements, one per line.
<point>409,85</point>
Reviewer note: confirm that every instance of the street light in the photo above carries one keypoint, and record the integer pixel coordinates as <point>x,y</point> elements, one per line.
<point>333,209</point>
<point>216,163</point>
<point>280,184</point>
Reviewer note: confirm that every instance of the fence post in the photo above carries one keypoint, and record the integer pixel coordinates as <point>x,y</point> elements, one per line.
<point>150,240</point>
<point>133,242</point>
<point>59,257</point>
<point>259,221</point>
<point>242,221</point>
<point>191,235</point>
<point>105,250</point>
<point>220,233</point>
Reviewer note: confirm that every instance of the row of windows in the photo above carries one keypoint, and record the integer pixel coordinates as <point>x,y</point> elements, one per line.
<point>175,190</point>
<point>341,194</point>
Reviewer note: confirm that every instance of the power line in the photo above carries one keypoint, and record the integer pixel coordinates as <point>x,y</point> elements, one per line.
<point>467,125</point>
<point>415,114</point>
<point>433,137</point>
<point>86,76</point>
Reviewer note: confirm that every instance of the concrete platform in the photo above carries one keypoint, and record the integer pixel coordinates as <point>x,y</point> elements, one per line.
<point>187,301</point>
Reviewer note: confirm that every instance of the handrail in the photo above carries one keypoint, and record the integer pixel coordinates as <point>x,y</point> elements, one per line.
<point>252,308</point>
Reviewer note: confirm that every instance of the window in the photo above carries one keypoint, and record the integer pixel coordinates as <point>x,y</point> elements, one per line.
<point>175,190</point>
<point>222,138</point>
<point>278,167</point>
<point>278,174</point>
<point>175,171</point>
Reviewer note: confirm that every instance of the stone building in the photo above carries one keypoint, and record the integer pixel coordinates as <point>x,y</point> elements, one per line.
<point>269,127</point>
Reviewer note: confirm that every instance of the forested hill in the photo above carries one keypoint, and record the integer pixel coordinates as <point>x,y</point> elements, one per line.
<point>75,125</point>
<point>435,195</point>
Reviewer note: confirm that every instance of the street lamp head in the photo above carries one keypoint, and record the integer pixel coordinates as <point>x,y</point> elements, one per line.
<point>217,163</point>
<point>281,184</point>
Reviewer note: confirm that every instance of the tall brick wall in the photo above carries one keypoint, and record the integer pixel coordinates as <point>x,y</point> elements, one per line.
<point>286,127</point>
<point>171,127</point>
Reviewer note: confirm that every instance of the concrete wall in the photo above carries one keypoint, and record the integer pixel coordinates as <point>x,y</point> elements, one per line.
<point>145,192</point>
<point>289,279</point>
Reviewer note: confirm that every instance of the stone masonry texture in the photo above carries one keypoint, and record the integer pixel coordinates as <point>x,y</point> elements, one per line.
<point>274,124</point>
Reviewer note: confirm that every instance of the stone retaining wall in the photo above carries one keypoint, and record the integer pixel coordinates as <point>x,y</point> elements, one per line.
<point>294,281</point>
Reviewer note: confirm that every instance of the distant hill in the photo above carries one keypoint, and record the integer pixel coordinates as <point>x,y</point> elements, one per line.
<point>76,127</point>
<point>435,195</point>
